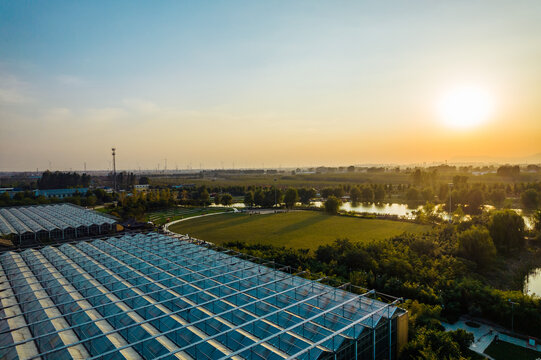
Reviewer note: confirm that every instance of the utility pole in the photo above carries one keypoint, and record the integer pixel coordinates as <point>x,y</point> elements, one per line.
<point>512,314</point>
<point>114,169</point>
<point>275,192</point>
<point>450,203</point>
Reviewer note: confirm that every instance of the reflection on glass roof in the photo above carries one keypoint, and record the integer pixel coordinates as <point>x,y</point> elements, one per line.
<point>152,296</point>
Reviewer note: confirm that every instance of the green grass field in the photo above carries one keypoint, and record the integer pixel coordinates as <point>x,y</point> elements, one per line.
<point>298,229</point>
<point>162,216</point>
<point>500,350</point>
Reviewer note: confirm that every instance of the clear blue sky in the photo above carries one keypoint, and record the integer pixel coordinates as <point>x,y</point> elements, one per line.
<point>275,83</point>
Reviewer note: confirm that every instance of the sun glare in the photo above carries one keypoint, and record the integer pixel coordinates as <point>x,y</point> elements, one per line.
<point>466,106</point>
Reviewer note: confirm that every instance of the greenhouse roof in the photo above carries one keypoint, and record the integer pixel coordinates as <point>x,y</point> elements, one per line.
<point>20,220</point>
<point>156,296</point>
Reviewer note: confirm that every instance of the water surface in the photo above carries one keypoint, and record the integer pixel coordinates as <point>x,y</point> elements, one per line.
<point>532,283</point>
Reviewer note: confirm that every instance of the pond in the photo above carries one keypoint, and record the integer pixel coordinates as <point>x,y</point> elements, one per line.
<point>402,210</point>
<point>532,283</point>
<point>235,205</point>
<point>380,208</point>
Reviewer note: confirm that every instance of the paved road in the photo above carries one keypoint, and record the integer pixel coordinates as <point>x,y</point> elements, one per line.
<point>484,335</point>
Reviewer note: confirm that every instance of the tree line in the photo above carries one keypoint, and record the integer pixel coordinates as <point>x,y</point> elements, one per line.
<point>62,180</point>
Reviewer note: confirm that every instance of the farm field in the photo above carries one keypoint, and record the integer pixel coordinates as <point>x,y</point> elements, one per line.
<point>162,216</point>
<point>297,229</point>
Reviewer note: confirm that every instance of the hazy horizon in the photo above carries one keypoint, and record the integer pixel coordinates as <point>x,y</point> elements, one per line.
<point>267,84</point>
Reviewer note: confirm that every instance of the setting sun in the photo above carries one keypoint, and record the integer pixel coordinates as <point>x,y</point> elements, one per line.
<point>465,106</point>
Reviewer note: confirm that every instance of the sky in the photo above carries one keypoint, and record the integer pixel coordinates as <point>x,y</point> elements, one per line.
<point>248,84</point>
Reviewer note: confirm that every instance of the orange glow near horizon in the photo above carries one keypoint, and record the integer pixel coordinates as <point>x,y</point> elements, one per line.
<point>268,85</point>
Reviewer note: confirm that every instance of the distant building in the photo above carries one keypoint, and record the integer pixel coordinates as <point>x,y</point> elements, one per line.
<point>61,193</point>
<point>141,187</point>
<point>10,191</point>
<point>49,193</point>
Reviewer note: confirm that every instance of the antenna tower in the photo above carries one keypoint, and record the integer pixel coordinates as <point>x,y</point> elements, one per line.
<point>114,169</point>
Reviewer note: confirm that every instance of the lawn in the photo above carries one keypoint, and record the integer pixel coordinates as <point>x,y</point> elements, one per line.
<point>162,216</point>
<point>298,229</point>
<point>501,350</point>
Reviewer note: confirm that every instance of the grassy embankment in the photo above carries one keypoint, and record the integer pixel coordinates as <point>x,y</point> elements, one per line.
<point>298,229</point>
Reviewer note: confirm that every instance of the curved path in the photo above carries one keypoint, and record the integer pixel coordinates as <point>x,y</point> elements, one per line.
<point>166,226</point>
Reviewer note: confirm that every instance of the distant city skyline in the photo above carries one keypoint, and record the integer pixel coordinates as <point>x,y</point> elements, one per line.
<point>288,84</point>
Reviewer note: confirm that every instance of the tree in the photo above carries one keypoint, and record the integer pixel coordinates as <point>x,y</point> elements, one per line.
<point>249,199</point>
<point>291,197</point>
<point>509,171</point>
<point>476,245</point>
<point>497,197</point>
<point>412,194</point>
<point>432,344</point>
<point>217,199</point>
<point>332,204</point>
<point>271,196</point>
<point>355,194</point>
<point>204,196</point>
<point>227,199</point>
<point>417,177</point>
<point>259,197</point>
<point>530,199</point>
<point>463,338</point>
<point>338,192</point>
<point>91,200</point>
<point>427,194</point>
<point>506,228</point>
<point>62,180</point>
<point>379,193</point>
<point>458,214</point>
<point>475,199</point>
<point>536,220</point>
<point>367,194</point>
<point>307,194</point>
<point>326,192</point>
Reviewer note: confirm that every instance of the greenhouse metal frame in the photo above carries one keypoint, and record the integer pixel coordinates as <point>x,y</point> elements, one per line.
<point>152,296</point>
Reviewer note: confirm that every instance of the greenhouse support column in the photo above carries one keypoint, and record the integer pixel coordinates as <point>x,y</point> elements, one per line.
<point>390,336</point>
<point>373,339</point>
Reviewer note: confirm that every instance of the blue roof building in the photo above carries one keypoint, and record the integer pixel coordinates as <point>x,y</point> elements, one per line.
<point>61,193</point>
